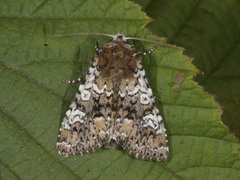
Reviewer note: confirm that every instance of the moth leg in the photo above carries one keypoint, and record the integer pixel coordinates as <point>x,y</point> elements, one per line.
<point>157,98</point>
<point>150,50</point>
<point>146,52</point>
<point>96,46</point>
<point>79,79</point>
<point>98,51</point>
<point>72,81</point>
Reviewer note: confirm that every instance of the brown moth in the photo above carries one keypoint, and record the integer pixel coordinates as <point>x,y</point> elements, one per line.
<point>114,103</point>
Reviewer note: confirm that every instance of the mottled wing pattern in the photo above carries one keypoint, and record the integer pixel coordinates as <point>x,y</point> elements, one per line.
<point>139,127</point>
<point>114,103</point>
<point>86,125</point>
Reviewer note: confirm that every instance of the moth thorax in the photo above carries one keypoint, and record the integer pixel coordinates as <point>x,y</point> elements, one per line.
<point>119,38</point>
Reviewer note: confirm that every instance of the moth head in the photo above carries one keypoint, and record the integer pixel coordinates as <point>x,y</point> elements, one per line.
<point>119,37</point>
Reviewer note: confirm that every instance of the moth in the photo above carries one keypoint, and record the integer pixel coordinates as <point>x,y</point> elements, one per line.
<point>114,104</point>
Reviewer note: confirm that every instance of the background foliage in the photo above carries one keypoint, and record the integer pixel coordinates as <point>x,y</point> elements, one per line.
<point>33,99</point>
<point>210,32</point>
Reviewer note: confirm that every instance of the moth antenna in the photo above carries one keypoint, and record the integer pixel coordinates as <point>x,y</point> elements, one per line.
<point>156,42</point>
<point>112,36</point>
<point>77,34</point>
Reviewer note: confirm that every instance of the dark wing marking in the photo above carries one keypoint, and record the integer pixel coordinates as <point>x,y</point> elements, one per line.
<point>139,127</point>
<point>86,125</point>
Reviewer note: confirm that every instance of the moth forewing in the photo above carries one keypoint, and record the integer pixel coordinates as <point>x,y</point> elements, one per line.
<point>114,102</point>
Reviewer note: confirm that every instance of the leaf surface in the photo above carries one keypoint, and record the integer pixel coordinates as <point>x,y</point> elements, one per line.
<point>33,99</point>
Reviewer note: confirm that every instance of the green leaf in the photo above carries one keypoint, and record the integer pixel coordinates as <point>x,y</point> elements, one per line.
<point>210,31</point>
<point>33,99</point>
